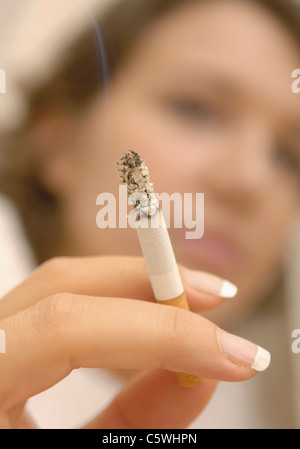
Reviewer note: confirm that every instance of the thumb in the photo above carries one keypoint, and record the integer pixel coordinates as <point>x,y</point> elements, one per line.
<point>155,400</point>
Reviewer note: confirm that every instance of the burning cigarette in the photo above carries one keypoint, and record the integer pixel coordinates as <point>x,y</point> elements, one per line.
<point>154,239</point>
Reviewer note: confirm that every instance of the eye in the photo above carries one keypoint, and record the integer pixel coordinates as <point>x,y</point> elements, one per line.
<point>195,111</point>
<point>288,160</point>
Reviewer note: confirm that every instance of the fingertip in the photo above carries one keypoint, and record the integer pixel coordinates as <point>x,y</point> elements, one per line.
<point>228,290</point>
<point>208,283</point>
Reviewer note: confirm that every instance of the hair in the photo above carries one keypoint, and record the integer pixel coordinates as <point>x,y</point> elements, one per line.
<point>73,86</point>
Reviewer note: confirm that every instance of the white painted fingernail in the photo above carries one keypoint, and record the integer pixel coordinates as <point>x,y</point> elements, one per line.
<point>262,359</point>
<point>209,283</point>
<point>243,352</point>
<point>228,290</point>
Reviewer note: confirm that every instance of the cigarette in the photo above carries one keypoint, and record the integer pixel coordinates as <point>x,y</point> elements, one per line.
<point>154,240</point>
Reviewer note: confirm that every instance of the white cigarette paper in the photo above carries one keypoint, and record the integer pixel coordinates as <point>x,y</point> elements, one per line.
<point>160,259</point>
<point>151,228</point>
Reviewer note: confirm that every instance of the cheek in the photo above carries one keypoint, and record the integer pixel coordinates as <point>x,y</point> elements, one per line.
<point>272,232</point>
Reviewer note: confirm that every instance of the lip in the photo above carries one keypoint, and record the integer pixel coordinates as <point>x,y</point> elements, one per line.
<point>215,252</point>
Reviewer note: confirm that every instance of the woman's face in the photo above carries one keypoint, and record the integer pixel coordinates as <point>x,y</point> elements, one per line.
<point>206,100</point>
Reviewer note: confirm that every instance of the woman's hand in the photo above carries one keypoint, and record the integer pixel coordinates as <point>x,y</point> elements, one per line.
<point>100,312</point>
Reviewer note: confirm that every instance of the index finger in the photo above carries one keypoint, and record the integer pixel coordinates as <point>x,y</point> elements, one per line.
<point>60,333</point>
<point>110,276</point>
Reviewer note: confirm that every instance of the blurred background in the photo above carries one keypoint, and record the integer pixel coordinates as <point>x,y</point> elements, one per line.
<point>33,36</point>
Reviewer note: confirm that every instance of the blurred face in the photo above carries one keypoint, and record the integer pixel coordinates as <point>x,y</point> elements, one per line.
<point>206,100</point>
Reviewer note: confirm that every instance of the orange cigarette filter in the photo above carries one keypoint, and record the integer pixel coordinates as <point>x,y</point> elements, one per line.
<point>185,380</point>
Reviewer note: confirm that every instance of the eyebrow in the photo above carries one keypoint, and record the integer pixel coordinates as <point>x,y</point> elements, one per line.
<point>223,83</point>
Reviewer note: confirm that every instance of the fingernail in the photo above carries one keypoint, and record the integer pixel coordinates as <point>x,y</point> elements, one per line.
<point>243,352</point>
<point>209,283</point>
<point>228,290</point>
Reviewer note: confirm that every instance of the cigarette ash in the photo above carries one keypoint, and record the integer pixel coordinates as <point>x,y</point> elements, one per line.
<point>133,171</point>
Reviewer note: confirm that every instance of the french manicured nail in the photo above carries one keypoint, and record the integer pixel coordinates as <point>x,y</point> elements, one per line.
<point>228,290</point>
<point>243,352</point>
<point>209,283</point>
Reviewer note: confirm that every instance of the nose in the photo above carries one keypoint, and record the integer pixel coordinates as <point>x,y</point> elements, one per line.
<point>240,173</point>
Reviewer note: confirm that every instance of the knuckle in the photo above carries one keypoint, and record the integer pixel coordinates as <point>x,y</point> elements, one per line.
<point>56,312</point>
<point>178,327</point>
<point>53,268</point>
<point>176,333</point>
